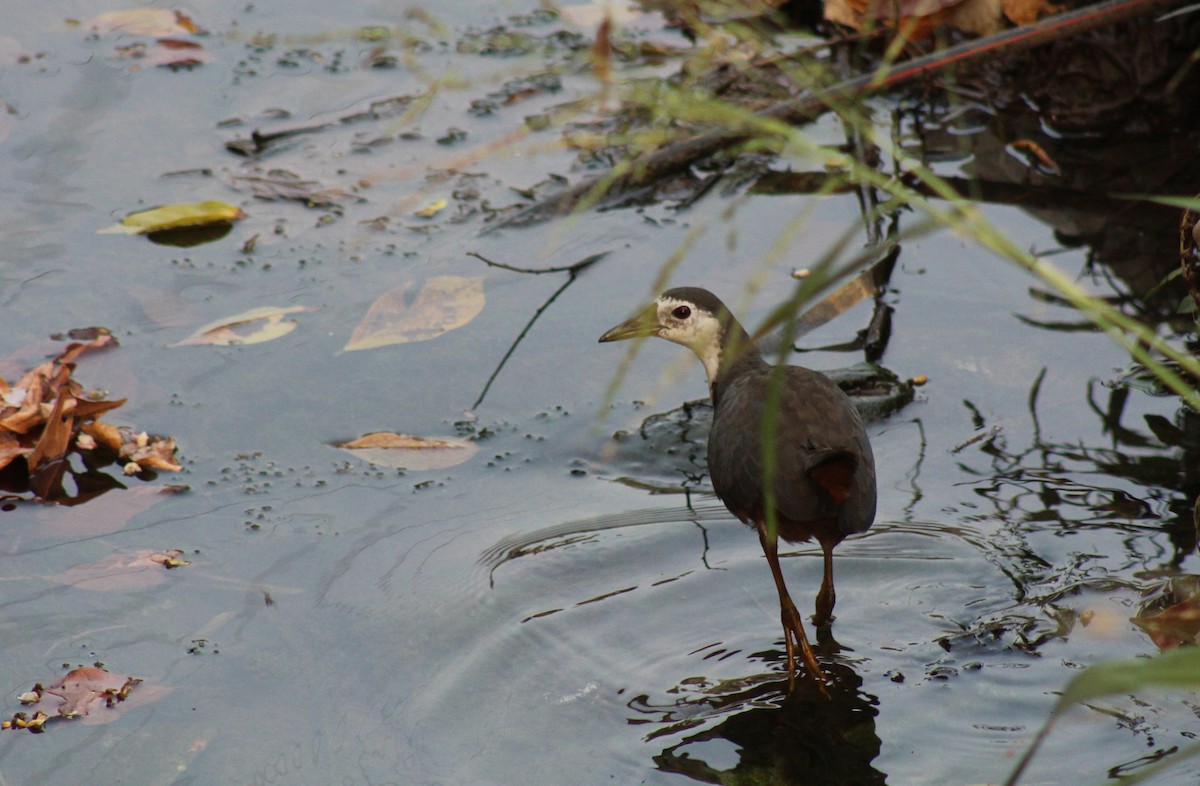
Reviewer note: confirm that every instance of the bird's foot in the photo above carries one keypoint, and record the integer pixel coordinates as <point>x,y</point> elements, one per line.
<point>793,635</point>
<point>823,616</point>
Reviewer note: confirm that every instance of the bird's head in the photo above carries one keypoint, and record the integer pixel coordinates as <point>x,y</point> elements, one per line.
<point>692,317</point>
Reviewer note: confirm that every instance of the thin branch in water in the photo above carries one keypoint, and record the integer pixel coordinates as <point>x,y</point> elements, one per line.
<point>578,267</point>
<point>572,272</point>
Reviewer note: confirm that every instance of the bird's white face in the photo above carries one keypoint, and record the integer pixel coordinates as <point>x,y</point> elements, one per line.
<point>693,327</point>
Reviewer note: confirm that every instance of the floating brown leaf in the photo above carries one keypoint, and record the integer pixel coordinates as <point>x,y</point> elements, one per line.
<point>23,406</point>
<point>1173,626</point>
<point>46,415</point>
<point>404,451</point>
<point>131,447</point>
<point>11,448</point>
<point>47,460</point>
<point>441,305</point>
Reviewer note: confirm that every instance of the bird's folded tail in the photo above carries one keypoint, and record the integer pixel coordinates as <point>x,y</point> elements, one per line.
<point>833,470</point>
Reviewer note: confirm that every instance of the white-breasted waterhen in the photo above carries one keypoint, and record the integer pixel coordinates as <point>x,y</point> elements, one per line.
<point>822,469</point>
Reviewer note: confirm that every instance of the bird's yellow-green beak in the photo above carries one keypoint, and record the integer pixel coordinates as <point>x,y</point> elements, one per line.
<point>644,323</point>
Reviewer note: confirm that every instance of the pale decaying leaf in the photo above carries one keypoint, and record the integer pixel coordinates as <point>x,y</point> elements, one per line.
<point>74,694</point>
<point>144,21</point>
<point>179,216</point>
<point>441,305</point>
<point>404,451</point>
<point>251,327</point>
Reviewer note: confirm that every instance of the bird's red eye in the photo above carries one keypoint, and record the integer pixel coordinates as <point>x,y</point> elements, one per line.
<point>683,312</point>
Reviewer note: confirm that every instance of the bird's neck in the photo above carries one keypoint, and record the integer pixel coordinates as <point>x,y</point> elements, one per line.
<point>737,354</point>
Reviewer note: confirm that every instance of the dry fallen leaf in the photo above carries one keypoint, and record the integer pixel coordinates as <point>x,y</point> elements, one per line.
<point>441,305</point>
<point>179,216</point>
<point>46,415</point>
<point>47,460</point>
<point>1173,626</point>
<point>144,21</point>
<point>404,451</point>
<point>256,325</point>
<point>139,450</point>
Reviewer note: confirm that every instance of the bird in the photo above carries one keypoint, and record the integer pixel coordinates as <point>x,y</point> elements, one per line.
<point>822,469</point>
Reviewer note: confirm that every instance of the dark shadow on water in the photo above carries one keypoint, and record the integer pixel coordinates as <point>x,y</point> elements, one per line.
<point>768,736</point>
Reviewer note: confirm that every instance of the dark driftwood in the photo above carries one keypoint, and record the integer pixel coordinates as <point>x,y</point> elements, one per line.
<point>675,156</point>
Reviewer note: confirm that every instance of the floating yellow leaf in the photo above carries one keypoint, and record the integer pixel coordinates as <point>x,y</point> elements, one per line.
<point>155,22</point>
<point>443,304</point>
<point>252,327</point>
<point>187,214</point>
<point>431,210</point>
<point>405,451</point>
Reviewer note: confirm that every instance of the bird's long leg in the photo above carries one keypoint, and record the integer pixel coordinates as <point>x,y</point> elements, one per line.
<point>793,629</point>
<point>827,596</point>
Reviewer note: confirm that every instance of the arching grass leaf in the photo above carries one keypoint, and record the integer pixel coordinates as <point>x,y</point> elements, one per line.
<point>441,305</point>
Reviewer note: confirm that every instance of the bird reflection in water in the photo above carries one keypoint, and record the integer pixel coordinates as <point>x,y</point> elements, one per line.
<point>806,736</point>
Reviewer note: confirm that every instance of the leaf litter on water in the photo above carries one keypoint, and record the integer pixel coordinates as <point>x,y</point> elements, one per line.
<point>46,414</point>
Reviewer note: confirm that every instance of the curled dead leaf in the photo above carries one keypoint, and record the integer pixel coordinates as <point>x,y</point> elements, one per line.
<point>404,451</point>
<point>40,417</point>
<point>442,304</point>
<point>1173,626</point>
<point>255,326</point>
